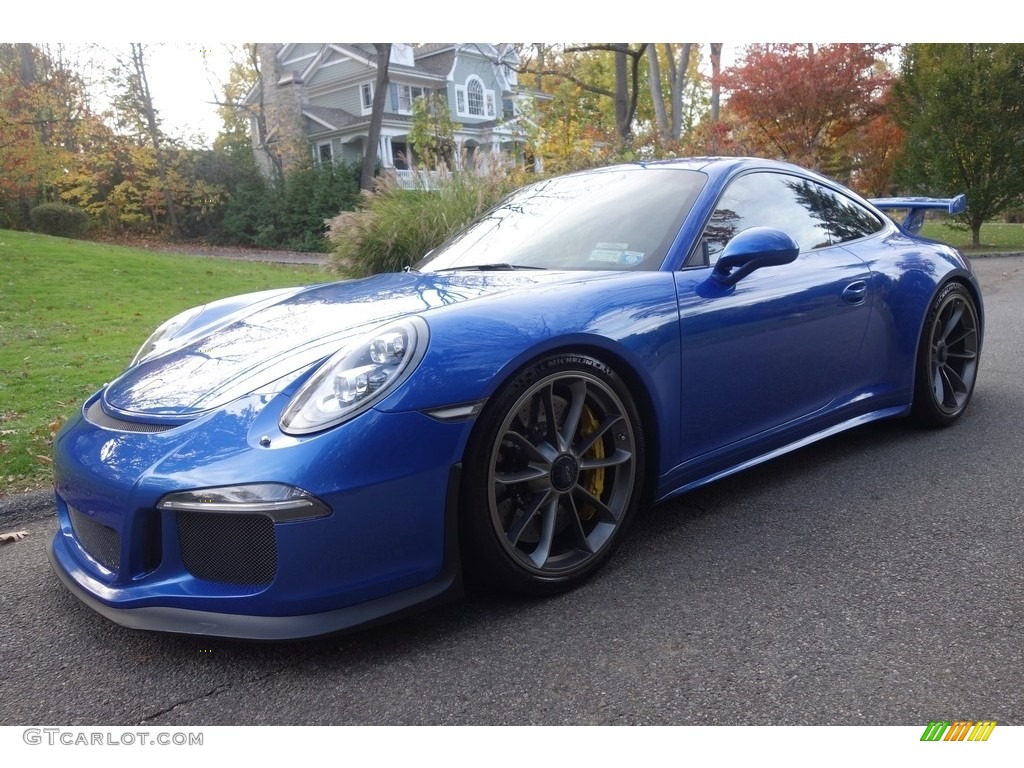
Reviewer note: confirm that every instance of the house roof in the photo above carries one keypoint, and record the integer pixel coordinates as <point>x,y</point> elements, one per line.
<point>436,58</point>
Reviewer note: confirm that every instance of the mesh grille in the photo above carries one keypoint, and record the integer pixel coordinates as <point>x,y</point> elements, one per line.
<point>95,414</point>
<point>229,548</point>
<point>101,542</point>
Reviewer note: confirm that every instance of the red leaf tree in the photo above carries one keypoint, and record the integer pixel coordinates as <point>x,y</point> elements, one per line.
<point>807,104</point>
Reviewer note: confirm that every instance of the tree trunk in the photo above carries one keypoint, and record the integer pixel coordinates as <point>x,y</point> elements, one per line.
<point>678,76</point>
<point>149,113</point>
<point>622,122</point>
<point>654,81</point>
<point>716,89</point>
<point>376,116</point>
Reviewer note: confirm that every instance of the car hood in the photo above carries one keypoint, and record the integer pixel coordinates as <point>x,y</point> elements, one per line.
<point>262,347</point>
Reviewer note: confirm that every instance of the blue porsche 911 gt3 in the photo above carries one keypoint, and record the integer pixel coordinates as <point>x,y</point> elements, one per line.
<point>299,462</point>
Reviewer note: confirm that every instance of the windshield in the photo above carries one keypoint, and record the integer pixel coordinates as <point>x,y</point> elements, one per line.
<point>618,218</point>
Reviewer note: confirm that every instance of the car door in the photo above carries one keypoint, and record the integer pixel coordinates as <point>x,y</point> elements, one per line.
<point>779,345</point>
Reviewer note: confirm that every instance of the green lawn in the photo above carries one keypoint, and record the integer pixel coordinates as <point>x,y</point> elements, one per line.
<point>73,313</point>
<point>995,236</point>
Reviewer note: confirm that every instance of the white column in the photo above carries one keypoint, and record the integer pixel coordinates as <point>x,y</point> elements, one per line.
<point>385,152</point>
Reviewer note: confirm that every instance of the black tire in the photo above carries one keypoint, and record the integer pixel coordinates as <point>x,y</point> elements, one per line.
<point>554,473</point>
<point>947,361</point>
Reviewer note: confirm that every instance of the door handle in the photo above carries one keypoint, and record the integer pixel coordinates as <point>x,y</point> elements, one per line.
<point>856,292</point>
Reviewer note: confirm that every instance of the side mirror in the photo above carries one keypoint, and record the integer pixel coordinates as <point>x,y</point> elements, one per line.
<point>752,249</point>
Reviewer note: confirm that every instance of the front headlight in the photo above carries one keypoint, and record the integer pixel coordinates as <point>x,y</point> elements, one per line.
<point>165,331</point>
<point>357,377</point>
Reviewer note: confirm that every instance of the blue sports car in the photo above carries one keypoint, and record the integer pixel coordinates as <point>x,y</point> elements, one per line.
<point>299,462</point>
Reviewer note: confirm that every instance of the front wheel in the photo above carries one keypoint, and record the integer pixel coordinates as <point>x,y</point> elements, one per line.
<point>554,473</point>
<point>947,361</point>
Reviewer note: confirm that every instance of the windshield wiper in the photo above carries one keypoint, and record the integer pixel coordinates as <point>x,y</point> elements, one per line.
<point>500,267</point>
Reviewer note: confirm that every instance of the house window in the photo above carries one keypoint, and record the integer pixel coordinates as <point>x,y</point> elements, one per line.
<point>475,97</point>
<point>406,95</point>
<point>473,100</point>
<point>366,91</point>
<point>324,153</point>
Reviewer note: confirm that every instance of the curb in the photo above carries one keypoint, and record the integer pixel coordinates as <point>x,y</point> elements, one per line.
<point>19,508</point>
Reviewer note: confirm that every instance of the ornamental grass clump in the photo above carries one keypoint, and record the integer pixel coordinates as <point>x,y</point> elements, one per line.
<point>395,226</point>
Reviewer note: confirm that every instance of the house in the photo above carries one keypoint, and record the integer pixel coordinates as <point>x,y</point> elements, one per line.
<point>316,98</point>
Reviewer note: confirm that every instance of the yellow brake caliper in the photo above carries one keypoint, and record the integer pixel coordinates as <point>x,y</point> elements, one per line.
<point>594,481</point>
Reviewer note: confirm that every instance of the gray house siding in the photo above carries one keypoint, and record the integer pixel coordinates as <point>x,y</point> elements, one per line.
<point>341,70</point>
<point>345,98</point>
<point>300,56</point>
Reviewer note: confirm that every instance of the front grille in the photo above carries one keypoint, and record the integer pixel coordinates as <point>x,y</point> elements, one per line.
<point>96,415</point>
<point>102,543</point>
<point>228,548</point>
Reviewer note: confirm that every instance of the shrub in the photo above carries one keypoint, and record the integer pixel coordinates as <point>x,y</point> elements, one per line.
<point>290,216</point>
<point>59,219</point>
<point>395,227</point>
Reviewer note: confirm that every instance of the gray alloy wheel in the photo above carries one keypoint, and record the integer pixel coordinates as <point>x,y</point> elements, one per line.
<point>555,475</point>
<point>948,358</point>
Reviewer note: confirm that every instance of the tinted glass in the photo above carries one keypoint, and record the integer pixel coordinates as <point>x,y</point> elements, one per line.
<point>612,219</point>
<point>848,220</point>
<point>811,214</point>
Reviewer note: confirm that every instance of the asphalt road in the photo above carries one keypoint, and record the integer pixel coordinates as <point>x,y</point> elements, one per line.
<point>874,578</point>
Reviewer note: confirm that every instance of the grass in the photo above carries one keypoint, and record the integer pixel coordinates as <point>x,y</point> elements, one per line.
<point>996,237</point>
<point>73,313</point>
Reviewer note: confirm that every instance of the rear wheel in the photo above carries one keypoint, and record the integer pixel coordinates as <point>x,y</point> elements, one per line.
<point>553,476</point>
<point>947,361</point>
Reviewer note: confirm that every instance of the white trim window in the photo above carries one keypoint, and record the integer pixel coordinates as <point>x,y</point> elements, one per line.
<point>366,97</point>
<point>473,100</point>
<point>324,153</point>
<point>405,95</point>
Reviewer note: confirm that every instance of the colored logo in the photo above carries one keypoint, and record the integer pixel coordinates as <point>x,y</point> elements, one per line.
<point>958,730</point>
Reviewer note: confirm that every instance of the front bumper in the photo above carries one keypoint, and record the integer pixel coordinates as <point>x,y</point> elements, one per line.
<point>389,545</point>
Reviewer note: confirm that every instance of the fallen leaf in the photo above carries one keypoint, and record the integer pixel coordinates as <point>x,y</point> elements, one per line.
<point>43,459</point>
<point>12,536</point>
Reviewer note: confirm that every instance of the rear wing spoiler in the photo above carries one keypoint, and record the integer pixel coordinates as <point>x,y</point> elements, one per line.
<point>916,207</point>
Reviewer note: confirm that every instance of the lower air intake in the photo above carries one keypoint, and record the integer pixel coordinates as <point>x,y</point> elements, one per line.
<point>102,543</point>
<point>228,548</point>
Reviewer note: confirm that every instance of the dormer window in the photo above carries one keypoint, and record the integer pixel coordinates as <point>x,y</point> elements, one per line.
<point>475,97</point>
<point>473,100</point>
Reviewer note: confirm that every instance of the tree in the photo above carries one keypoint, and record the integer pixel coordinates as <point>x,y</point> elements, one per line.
<point>44,124</point>
<point>586,67</point>
<point>432,133</point>
<point>677,56</point>
<point>962,106</point>
<point>236,113</point>
<point>380,92</point>
<point>139,118</point>
<point>803,102</point>
<point>716,84</point>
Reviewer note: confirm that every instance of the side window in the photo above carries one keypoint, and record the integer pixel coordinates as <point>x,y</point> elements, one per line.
<point>848,220</point>
<point>765,199</point>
